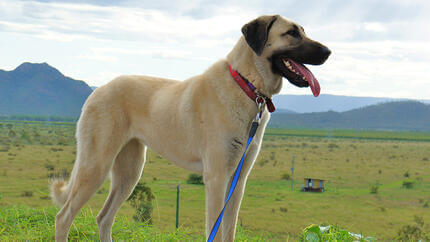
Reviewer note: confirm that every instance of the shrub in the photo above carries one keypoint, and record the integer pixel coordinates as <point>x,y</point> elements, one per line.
<point>141,200</point>
<point>408,184</point>
<point>49,167</point>
<point>329,233</point>
<point>27,194</point>
<point>25,135</point>
<point>12,134</point>
<point>272,155</point>
<point>263,162</point>
<point>374,189</point>
<point>414,232</point>
<point>64,173</point>
<point>195,179</point>
<point>286,176</point>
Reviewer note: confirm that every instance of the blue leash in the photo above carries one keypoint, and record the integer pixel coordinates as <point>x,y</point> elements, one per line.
<point>235,179</point>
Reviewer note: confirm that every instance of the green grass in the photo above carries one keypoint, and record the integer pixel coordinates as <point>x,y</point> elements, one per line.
<point>26,223</point>
<point>353,134</point>
<point>270,209</point>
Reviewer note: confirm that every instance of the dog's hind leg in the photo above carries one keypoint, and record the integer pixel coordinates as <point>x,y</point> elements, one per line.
<point>97,150</point>
<point>126,172</point>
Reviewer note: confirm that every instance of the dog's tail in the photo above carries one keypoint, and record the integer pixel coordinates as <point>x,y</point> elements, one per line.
<point>59,191</point>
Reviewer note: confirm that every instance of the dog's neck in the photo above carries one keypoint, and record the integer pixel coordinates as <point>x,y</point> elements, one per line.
<point>254,68</point>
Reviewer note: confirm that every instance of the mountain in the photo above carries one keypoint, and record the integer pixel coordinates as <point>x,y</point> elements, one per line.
<point>40,89</point>
<point>325,102</point>
<point>400,115</point>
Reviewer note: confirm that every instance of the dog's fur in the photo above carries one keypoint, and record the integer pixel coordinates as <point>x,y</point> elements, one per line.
<point>200,124</point>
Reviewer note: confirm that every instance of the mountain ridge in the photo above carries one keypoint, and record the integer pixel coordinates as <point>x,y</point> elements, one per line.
<point>40,89</point>
<point>399,115</point>
<point>327,102</point>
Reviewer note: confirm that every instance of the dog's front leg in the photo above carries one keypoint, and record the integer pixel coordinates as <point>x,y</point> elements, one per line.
<point>216,178</point>
<point>233,207</point>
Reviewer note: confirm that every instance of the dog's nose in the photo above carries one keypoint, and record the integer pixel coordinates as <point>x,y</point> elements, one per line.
<point>325,52</point>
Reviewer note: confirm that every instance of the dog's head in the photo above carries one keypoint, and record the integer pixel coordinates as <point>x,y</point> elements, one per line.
<point>284,46</point>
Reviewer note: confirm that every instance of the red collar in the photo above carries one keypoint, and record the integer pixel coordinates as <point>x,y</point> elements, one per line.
<point>250,90</point>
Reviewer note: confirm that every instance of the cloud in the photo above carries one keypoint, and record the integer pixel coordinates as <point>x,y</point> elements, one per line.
<point>385,68</point>
<point>117,23</point>
<point>107,53</point>
<point>375,27</point>
<point>380,47</point>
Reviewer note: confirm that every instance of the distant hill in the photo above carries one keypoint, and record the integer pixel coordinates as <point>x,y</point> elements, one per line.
<point>325,102</point>
<point>401,115</point>
<point>40,89</point>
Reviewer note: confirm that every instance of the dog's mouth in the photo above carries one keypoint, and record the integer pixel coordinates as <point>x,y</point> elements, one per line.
<point>298,74</point>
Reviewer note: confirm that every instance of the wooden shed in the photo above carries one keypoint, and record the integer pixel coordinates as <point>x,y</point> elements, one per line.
<point>313,185</point>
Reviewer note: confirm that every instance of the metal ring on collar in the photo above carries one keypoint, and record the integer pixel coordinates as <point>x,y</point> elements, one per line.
<point>260,99</point>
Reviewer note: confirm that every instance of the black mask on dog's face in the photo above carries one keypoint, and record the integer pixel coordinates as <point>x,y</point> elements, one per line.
<point>289,50</point>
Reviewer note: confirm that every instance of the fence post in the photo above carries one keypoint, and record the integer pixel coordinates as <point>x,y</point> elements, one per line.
<point>177,206</point>
<point>292,173</point>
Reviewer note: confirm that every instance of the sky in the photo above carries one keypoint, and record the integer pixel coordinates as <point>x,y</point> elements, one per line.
<point>380,48</point>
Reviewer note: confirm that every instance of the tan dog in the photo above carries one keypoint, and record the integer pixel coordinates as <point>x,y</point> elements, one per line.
<point>200,124</point>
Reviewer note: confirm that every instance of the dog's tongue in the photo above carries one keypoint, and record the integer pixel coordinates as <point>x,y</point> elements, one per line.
<point>310,78</point>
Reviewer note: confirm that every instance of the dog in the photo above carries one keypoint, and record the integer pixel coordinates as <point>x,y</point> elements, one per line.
<point>200,124</point>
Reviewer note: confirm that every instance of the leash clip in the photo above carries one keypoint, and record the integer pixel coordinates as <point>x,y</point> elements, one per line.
<point>260,102</point>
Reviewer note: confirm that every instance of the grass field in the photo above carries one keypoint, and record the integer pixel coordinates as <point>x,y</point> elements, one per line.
<point>377,182</point>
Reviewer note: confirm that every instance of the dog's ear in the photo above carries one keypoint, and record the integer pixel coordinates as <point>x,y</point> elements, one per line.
<point>257,31</point>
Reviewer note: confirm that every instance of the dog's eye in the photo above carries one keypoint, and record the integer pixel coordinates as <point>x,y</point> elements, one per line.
<point>294,33</point>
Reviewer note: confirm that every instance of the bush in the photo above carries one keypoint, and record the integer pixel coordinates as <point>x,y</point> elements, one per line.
<point>195,179</point>
<point>286,176</point>
<point>141,200</point>
<point>49,167</point>
<point>414,232</point>
<point>408,184</point>
<point>27,194</point>
<point>374,189</point>
<point>263,162</point>
<point>329,233</point>
<point>12,134</point>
